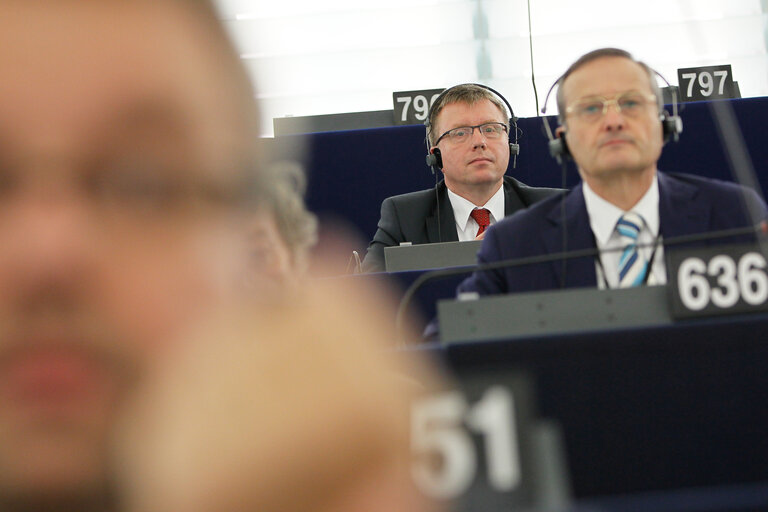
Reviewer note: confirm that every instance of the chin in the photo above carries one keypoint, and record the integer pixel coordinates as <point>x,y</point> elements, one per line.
<point>62,467</point>
<point>616,166</point>
<point>487,177</point>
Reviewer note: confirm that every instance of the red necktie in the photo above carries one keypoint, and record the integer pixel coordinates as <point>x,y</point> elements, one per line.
<point>483,218</point>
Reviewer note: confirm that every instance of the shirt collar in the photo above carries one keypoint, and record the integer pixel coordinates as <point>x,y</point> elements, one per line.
<point>603,215</point>
<point>463,207</point>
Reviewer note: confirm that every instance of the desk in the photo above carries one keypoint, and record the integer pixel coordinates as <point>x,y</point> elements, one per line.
<point>423,306</point>
<point>649,414</point>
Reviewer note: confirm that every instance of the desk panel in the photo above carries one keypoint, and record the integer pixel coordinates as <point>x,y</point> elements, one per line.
<point>647,410</point>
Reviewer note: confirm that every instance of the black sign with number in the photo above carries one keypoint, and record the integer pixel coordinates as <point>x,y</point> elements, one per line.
<point>412,107</point>
<point>722,280</point>
<point>706,83</point>
<point>473,447</point>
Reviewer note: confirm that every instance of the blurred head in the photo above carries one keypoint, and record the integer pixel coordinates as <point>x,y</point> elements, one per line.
<point>126,143</point>
<point>284,230</point>
<point>600,53</point>
<point>609,108</point>
<point>479,157</point>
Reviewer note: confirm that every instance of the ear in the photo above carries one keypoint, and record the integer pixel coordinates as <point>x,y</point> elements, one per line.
<point>560,131</point>
<point>432,150</point>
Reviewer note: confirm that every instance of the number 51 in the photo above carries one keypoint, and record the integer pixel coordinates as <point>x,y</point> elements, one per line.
<point>437,430</point>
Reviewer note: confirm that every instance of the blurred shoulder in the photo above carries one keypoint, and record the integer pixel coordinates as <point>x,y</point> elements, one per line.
<point>535,216</point>
<point>529,194</point>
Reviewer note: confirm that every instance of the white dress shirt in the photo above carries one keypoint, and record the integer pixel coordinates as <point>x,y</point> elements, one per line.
<point>466,226</point>
<point>603,217</point>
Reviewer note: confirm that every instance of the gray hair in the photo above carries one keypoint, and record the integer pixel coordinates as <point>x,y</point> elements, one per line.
<point>281,192</point>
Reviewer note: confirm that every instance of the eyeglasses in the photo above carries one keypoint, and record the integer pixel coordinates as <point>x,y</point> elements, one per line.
<point>139,192</point>
<point>490,131</point>
<point>630,104</point>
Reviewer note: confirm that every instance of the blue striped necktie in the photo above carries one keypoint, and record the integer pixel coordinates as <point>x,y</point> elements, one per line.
<point>632,266</point>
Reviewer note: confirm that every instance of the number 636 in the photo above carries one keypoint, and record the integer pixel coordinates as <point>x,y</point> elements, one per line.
<point>746,280</point>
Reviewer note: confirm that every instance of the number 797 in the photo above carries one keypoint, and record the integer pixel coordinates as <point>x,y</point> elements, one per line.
<point>706,82</point>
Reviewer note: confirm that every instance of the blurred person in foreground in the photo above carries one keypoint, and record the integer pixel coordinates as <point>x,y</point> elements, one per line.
<point>127,162</point>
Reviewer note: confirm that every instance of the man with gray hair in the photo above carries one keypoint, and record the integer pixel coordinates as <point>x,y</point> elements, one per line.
<point>613,126</point>
<point>284,231</point>
<point>468,134</point>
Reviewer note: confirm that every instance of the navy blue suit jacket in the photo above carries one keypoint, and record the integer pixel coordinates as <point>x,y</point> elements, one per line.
<point>687,205</point>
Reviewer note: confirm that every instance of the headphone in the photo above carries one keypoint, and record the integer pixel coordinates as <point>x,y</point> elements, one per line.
<point>434,158</point>
<point>671,125</point>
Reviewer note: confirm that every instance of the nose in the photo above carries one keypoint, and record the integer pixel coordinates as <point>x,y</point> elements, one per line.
<point>49,245</point>
<point>478,139</point>
<point>613,118</point>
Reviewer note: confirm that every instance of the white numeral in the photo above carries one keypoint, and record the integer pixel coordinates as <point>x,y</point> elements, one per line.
<point>752,279</point>
<point>725,269</point>
<point>693,286</point>
<point>407,101</point>
<point>722,74</point>
<point>691,77</point>
<point>705,80</point>
<point>421,107</point>
<point>436,431</point>
<point>491,417</point>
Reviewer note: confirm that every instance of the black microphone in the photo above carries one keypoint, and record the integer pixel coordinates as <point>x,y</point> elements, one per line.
<point>759,231</point>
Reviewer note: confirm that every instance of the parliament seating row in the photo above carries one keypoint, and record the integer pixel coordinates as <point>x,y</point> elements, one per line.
<point>351,172</point>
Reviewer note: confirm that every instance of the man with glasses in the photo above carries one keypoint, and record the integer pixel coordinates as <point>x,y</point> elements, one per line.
<point>468,136</point>
<point>611,124</point>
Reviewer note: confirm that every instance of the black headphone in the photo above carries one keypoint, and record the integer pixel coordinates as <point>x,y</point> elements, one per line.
<point>671,125</point>
<point>435,158</point>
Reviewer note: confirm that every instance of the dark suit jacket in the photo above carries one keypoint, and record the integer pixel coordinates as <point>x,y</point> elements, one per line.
<point>413,217</point>
<point>687,205</point>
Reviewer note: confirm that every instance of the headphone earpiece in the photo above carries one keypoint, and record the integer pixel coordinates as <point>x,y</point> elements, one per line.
<point>558,147</point>
<point>435,159</point>
<point>671,126</point>
<point>514,147</point>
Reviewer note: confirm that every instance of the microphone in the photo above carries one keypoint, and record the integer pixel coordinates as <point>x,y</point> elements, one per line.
<point>358,267</point>
<point>514,149</point>
<point>759,231</point>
